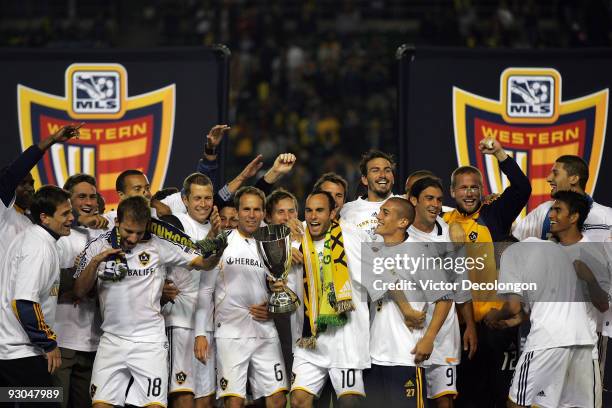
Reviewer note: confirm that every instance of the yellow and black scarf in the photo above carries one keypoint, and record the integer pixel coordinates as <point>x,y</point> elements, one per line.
<point>327,295</point>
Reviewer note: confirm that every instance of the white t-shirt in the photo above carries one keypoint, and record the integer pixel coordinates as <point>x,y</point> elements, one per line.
<point>181,313</point>
<point>447,345</point>
<point>176,204</point>
<point>594,259</point>
<point>12,222</point>
<point>553,323</point>
<point>240,283</point>
<point>596,226</point>
<point>362,214</point>
<point>131,307</point>
<point>31,272</point>
<point>346,346</point>
<point>78,326</point>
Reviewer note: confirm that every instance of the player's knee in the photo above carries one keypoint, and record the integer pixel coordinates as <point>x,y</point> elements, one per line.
<point>301,399</point>
<point>278,400</point>
<point>234,402</point>
<point>444,402</point>
<point>204,402</point>
<point>350,401</point>
<point>181,400</point>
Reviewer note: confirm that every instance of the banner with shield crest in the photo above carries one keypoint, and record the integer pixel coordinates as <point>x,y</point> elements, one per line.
<point>142,109</point>
<point>538,104</point>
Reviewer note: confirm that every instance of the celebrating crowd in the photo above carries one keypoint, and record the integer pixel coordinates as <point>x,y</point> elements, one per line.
<point>132,307</point>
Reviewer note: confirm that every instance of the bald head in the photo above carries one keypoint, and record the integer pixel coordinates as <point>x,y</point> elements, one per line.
<point>403,207</point>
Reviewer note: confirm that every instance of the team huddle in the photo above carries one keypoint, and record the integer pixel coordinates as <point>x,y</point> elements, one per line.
<point>128,308</point>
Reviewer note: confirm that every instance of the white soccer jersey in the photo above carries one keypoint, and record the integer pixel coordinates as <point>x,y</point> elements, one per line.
<point>130,307</point>
<point>181,312</point>
<point>31,272</point>
<point>77,325</point>
<point>346,346</point>
<point>176,204</point>
<point>447,345</point>
<point>554,322</point>
<point>240,283</point>
<point>12,222</point>
<point>585,251</point>
<point>362,214</point>
<point>537,224</point>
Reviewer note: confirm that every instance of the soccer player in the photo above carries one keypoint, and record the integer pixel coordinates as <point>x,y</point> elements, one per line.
<point>426,197</point>
<point>246,340</point>
<point>377,175</point>
<point>335,185</point>
<point>568,173</point>
<point>125,265</point>
<point>398,352</point>
<point>332,272</point>
<point>189,378</point>
<point>556,362</point>
<point>77,324</point>
<point>484,380</point>
<point>567,215</point>
<point>229,217</point>
<point>28,294</point>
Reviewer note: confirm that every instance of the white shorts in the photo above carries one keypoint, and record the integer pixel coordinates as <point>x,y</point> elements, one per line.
<point>441,380</point>
<point>555,378</point>
<point>118,360</point>
<point>205,374</point>
<point>311,378</point>
<point>261,360</point>
<point>181,359</point>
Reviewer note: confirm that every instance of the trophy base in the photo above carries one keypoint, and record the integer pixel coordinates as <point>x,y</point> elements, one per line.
<point>283,302</point>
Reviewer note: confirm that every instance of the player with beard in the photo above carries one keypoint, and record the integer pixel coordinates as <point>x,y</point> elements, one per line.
<point>426,197</point>
<point>377,175</point>
<point>485,378</point>
<point>17,187</point>
<point>334,337</point>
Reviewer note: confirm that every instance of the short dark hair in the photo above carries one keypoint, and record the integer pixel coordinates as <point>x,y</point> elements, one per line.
<point>46,200</point>
<point>101,203</point>
<point>120,183</point>
<point>136,208</point>
<point>371,155</point>
<point>332,178</point>
<point>274,197</point>
<point>421,184</point>
<point>464,170</point>
<point>330,198</point>
<point>575,166</point>
<point>163,193</point>
<point>249,190</point>
<point>406,209</point>
<point>77,179</point>
<point>419,174</point>
<point>195,178</point>
<point>576,203</point>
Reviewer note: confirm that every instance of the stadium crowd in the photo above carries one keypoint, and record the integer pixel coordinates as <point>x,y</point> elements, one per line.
<point>163,301</point>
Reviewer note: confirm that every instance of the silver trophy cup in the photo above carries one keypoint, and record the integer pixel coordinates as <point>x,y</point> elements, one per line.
<point>274,247</point>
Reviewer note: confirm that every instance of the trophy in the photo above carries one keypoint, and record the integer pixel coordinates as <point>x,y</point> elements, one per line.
<point>274,247</point>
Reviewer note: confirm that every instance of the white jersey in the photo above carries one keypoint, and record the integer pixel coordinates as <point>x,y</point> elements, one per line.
<point>176,204</point>
<point>537,224</point>
<point>181,313</point>
<point>131,307</point>
<point>12,222</point>
<point>447,345</point>
<point>346,346</point>
<point>240,283</point>
<point>77,325</point>
<point>362,214</point>
<point>31,272</point>
<point>594,259</point>
<point>554,322</point>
